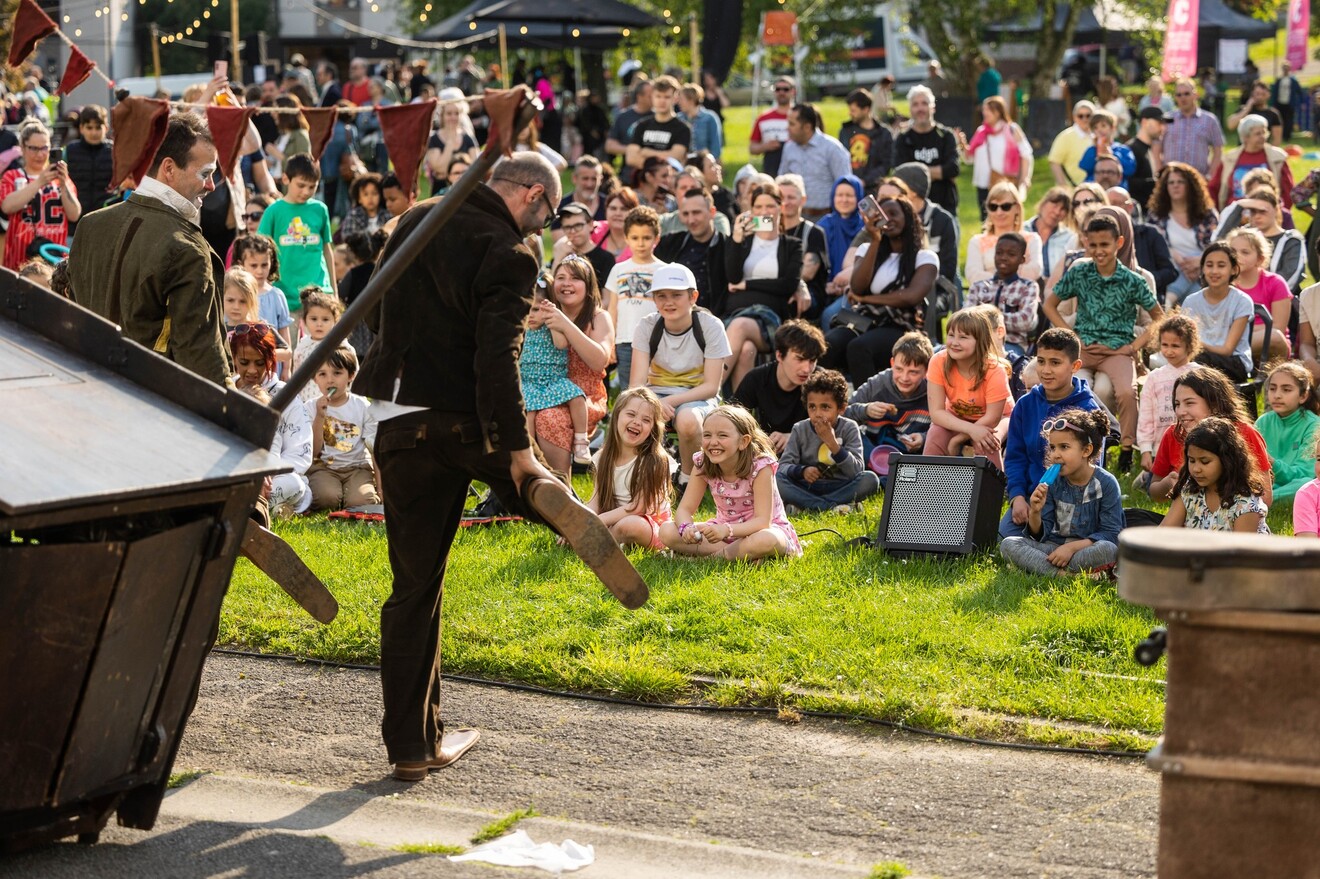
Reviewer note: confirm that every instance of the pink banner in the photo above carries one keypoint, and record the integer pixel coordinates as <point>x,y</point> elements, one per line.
<point>1180,39</point>
<point>1299,27</point>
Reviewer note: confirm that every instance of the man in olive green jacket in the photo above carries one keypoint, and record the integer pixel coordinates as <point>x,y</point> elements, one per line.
<point>144,264</point>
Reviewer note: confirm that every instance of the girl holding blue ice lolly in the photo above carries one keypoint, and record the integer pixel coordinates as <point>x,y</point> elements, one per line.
<point>1076,511</point>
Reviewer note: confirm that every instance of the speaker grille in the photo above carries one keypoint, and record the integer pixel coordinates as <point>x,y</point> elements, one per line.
<point>930,504</point>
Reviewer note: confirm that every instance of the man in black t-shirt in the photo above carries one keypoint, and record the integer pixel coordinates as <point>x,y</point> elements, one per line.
<point>774,391</point>
<point>661,134</point>
<point>700,247</point>
<point>1151,123</point>
<point>932,145</point>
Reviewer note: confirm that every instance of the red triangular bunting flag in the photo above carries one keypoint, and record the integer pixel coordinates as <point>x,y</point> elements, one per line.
<point>75,72</point>
<point>229,126</point>
<point>138,125</point>
<point>320,125</point>
<point>502,108</point>
<point>405,129</point>
<point>31,26</point>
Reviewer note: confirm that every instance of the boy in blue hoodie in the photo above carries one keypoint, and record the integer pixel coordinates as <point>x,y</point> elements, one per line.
<point>1058,357</point>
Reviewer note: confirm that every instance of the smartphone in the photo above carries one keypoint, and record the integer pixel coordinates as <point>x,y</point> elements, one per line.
<point>870,207</point>
<point>763,224</point>
<point>221,69</point>
<point>1051,474</point>
<point>56,155</point>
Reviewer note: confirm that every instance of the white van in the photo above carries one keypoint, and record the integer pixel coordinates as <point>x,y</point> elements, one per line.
<point>887,46</point>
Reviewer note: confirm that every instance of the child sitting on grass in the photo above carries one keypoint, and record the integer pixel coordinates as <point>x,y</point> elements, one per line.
<point>891,407</point>
<point>1306,505</point>
<point>1074,515</point>
<point>343,473</point>
<point>967,389</point>
<point>1199,394</point>
<point>738,465</point>
<point>1289,427</point>
<point>1058,357</point>
<point>822,467</point>
<point>632,492</point>
<point>1219,487</point>
<point>1180,342</point>
<point>320,312</point>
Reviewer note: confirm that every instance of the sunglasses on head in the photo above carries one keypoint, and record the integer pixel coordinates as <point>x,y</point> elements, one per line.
<point>995,206</point>
<point>1061,424</point>
<point>259,328</point>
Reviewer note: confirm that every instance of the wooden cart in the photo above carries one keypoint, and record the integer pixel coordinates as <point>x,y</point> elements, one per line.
<point>125,488</point>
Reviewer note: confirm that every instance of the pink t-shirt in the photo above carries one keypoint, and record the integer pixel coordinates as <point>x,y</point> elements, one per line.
<point>1306,508</point>
<point>1268,290</point>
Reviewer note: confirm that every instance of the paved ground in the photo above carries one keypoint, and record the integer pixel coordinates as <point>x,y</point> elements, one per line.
<point>299,788</point>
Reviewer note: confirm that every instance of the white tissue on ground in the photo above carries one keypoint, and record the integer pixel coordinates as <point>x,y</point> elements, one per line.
<point>518,850</point>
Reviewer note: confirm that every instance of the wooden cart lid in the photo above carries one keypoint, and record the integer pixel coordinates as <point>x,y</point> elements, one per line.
<point>1182,568</point>
<point>88,415</point>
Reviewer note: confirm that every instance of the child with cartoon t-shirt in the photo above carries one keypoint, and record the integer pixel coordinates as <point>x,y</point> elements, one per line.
<point>300,226</point>
<point>343,473</point>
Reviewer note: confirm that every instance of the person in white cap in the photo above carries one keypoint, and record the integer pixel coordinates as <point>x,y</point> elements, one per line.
<point>680,352</point>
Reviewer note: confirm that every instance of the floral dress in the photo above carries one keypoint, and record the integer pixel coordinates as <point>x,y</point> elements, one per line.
<point>1200,516</point>
<point>735,503</point>
<point>544,372</point>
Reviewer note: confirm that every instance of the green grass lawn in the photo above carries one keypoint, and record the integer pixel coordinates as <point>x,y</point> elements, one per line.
<point>967,646</point>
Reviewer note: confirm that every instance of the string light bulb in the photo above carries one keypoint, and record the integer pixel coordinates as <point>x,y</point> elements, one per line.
<point>206,13</point>
<point>422,17</point>
<point>472,25</point>
<point>523,29</point>
<point>78,32</point>
<point>123,16</point>
<point>66,19</point>
<point>626,32</point>
<point>677,29</point>
<point>98,13</point>
<point>188,31</point>
<point>576,32</point>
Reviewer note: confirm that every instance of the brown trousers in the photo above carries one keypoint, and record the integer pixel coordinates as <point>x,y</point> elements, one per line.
<point>427,461</point>
<point>1122,372</point>
<point>340,489</point>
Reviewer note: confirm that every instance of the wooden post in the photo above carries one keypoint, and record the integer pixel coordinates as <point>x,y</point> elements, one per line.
<point>155,52</point>
<point>236,64</point>
<point>694,42</point>
<point>504,55</point>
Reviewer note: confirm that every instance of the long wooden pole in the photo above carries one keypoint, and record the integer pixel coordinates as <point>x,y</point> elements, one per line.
<point>155,52</point>
<point>236,65</point>
<point>504,55</point>
<point>693,36</point>
<point>387,273</point>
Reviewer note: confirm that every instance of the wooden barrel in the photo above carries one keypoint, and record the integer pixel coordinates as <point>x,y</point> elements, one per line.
<point>1240,755</point>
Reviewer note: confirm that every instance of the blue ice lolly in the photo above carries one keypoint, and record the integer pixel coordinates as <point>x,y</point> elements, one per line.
<point>1051,474</point>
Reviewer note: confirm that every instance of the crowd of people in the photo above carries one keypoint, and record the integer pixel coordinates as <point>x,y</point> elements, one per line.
<point>772,342</point>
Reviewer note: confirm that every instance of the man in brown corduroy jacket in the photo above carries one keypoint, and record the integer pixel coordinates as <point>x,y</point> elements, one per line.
<point>144,264</point>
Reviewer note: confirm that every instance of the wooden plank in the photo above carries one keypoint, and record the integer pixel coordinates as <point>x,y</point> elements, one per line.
<point>52,603</point>
<point>155,586</point>
<point>277,560</point>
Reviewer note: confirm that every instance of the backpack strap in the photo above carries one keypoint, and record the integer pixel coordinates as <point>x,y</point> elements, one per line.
<point>658,331</point>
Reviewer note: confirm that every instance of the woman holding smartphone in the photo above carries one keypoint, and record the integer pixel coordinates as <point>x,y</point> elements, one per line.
<point>764,268</point>
<point>38,198</point>
<point>892,276</point>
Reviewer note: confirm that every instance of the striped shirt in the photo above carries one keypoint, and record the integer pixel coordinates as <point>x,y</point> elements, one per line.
<point>1191,138</point>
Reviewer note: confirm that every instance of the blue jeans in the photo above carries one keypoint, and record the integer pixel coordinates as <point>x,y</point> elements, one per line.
<point>1009,528</point>
<point>1182,288</point>
<point>623,354</point>
<point>827,314</point>
<point>826,494</point>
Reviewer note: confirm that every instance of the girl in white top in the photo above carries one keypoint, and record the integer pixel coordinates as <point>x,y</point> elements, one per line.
<point>1004,207</point>
<point>999,150</point>
<point>632,491</point>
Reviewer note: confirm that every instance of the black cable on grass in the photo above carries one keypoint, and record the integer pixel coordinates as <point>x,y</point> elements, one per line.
<point>727,709</point>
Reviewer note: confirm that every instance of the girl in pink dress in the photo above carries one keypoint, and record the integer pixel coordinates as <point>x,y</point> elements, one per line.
<point>738,463</point>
